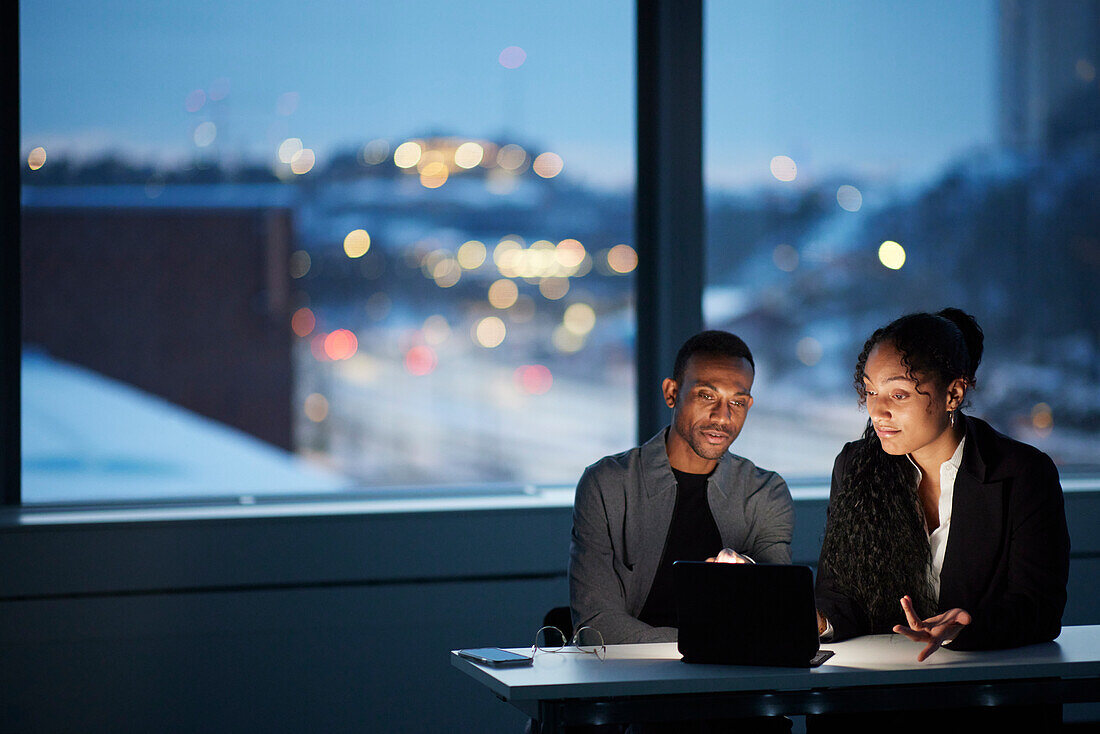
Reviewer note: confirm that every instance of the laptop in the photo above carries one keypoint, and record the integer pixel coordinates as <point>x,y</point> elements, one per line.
<point>747,614</point>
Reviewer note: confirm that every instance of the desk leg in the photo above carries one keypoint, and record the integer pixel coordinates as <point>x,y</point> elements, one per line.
<point>550,717</point>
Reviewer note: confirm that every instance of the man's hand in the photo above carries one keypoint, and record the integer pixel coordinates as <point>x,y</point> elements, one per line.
<point>728,555</point>
<point>936,631</point>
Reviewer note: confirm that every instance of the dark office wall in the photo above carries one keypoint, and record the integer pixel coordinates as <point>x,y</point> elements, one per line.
<point>333,624</point>
<point>190,305</point>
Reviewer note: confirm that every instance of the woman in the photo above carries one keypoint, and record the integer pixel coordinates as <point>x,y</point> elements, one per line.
<point>939,528</point>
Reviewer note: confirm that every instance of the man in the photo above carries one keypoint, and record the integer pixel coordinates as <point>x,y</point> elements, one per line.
<point>679,496</point>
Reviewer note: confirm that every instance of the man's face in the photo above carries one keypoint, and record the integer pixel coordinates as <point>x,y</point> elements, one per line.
<point>708,410</point>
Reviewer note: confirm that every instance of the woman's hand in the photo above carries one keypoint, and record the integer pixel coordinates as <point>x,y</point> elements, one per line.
<point>936,631</point>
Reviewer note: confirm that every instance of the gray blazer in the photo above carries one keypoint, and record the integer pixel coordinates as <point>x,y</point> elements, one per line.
<point>621,517</point>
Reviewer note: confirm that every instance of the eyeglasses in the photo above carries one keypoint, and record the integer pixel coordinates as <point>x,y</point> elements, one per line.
<point>585,639</point>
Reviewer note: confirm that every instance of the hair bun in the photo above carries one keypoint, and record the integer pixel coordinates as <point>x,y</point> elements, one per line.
<point>972,335</point>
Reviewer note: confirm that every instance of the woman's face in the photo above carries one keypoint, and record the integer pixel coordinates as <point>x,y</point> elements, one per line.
<point>905,420</point>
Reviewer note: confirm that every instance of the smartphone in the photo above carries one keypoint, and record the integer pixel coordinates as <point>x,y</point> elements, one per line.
<point>494,657</point>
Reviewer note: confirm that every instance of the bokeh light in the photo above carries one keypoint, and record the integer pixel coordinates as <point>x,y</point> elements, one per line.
<point>407,154</point>
<point>512,57</point>
<point>503,293</point>
<point>471,255</point>
<point>809,351</point>
<point>420,360</point>
<point>469,155</point>
<point>1042,418</point>
<point>194,101</point>
<point>534,379</point>
<point>376,151</point>
<point>579,318</point>
<point>356,243</point>
<point>303,322</point>
<point>316,407</point>
<point>446,272</point>
<point>785,258</point>
<point>566,341</point>
<point>849,198</point>
<point>569,253</point>
<point>300,263</point>
<point>891,255</point>
<point>436,329</point>
<point>548,165</point>
<point>205,133</point>
<point>784,168</point>
<point>433,174</point>
<point>303,161</point>
<point>289,148</point>
<point>622,259</point>
<point>554,288</point>
<point>36,158</point>
<point>490,332</point>
<point>511,157</point>
<point>341,344</point>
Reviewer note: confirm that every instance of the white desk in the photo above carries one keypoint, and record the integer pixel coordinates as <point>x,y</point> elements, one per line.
<point>649,682</point>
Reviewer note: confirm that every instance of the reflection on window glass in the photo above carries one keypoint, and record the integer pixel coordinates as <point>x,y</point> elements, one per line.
<point>867,159</point>
<point>304,248</point>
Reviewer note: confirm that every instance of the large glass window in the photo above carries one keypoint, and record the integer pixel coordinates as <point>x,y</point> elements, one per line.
<point>296,248</point>
<point>866,159</point>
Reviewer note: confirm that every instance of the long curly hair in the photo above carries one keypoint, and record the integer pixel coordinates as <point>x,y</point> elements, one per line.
<point>875,542</point>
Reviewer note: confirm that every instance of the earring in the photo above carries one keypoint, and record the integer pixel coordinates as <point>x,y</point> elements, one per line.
<point>954,414</point>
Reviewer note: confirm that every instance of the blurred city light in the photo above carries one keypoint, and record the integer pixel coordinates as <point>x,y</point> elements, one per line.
<point>566,341</point>
<point>316,407</point>
<point>849,198</point>
<point>503,293</point>
<point>303,161</point>
<point>407,154</point>
<point>548,165</point>
<point>446,272</point>
<point>534,379</point>
<point>303,322</point>
<point>341,344</point>
<point>357,243</point>
<point>511,157</point>
<point>622,259</point>
<point>420,360</point>
<point>891,255</point>
<point>436,329</point>
<point>289,148</point>
<point>569,253</point>
<point>579,318</point>
<point>471,255</point>
<point>554,288</point>
<point>37,158</point>
<point>194,101</point>
<point>433,174</point>
<point>300,263</point>
<point>785,258</point>
<point>809,351</point>
<point>205,133</point>
<point>784,168</point>
<point>469,155</point>
<point>1042,418</point>
<point>512,57</point>
<point>376,151</point>
<point>490,332</point>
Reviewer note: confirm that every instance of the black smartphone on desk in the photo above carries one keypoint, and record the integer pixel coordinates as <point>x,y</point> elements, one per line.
<point>495,657</point>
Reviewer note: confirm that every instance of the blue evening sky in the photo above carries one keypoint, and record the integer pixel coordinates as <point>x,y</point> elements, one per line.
<point>863,85</point>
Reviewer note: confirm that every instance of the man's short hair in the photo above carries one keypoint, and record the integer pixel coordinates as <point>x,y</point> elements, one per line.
<point>711,343</point>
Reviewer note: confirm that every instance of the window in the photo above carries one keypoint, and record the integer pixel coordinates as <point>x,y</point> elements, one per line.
<point>291,249</point>
<point>869,159</point>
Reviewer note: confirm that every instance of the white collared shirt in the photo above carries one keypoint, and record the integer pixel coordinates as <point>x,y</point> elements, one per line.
<point>937,539</point>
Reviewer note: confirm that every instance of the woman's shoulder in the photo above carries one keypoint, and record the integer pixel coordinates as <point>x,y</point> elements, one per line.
<point>1003,455</point>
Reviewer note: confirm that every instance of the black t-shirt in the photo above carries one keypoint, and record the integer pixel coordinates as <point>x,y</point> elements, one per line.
<point>692,536</point>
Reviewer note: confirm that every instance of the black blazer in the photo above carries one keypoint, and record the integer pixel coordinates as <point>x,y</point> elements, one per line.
<point>1007,557</point>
